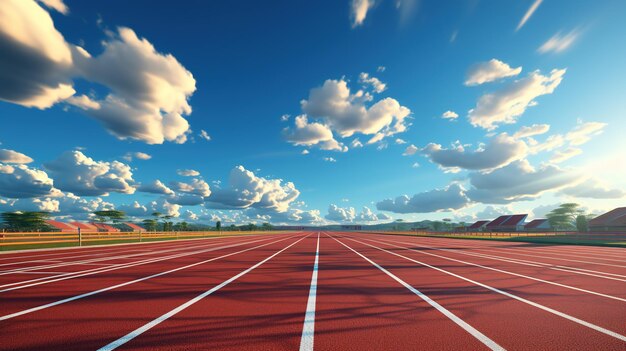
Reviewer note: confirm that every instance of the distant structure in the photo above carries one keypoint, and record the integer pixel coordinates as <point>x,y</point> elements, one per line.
<point>478,226</point>
<point>61,227</point>
<point>105,228</point>
<point>289,227</point>
<point>614,220</point>
<point>537,225</point>
<point>131,227</point>
<point>507,223</point>
<point>85,227</point>
<point>351,227</point>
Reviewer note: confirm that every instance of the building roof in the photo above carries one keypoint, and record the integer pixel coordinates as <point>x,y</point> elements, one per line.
<point>105,227</point>
<point>614,217</point>
<point>535,223</point>
<point>478,225</point>
<point>133,226</point>
<point>514,220</point>
<point>84,226</point>
<point>498,221</point>
<point>60,225</point>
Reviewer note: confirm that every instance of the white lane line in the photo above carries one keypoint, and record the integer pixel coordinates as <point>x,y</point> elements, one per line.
<point>135,333</point>
<point>71,275</point>
<point>91,293</point>
<point>495,269</point>
<point>308,329</point>
<point>502,292</point>
<point>468,328</point>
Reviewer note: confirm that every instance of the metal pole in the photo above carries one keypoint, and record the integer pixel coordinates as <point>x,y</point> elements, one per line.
<point>80,237</point>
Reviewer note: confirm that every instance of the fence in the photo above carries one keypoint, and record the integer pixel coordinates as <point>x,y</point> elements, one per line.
<point>16,240</point>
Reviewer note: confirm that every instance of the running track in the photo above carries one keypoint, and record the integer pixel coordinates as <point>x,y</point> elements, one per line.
<point>310,290</point>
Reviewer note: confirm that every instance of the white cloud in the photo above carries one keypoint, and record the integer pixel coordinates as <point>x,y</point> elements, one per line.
<point>188,172</point>
<point>535,129</point>
<point>518,181</point>
<point>400,141</point>
<point>410,150</point>
<point>346,113</point>
<point>340,214</point>
<point>507,104</point>
<point>528,14</point>
<point>375,83</point>
<point>20,181</point>
<point>305,152</point>
<point>246,190</point>
<point>563,155</point>
<point>381,69</point>
<point>148,91</point>
<point>284,118</point>
<point>329,159</point>
<point>155,187</point>
<point>583,132</point>
<point>81,175</point>
<point>11,156</point>
<point>195,187</point>
<point>310,134</point>
<point>492,70</point>
<point>449,115</point>
<point>57,5</point>
<point>359,9</point>
<point>356,143</point>
<point>559,42</point>
<point>594,189</point>
<point>449,198</point>
<point>415,165</point>
<point>136,155</point>
<point>204,135</point>
<point>499,152</point>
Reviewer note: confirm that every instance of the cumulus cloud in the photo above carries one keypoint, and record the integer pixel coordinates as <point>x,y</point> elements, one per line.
<point>451,115</point>
<point>518,181</point>
<point>528,14</point>
<point>188,172</point>
<point>559,42</point>
<point>492,70</point>
<point>155,187</point>
<point>20,181</point>
<point>74,172</point>
<point>356,143</point>
<point>410,150</point>
<point>57,5</point>
<point>593,189</point>
<point>204,135</point>
<point>148,91</point>
<point>453,197</point>
<point>312,134</point>
<point>340,214</point>
<point>359,9</point>
<point>11,156</point>
<point>375,83</point>
<point>507,104</point>
<point>400,141</point>
<point>499,152</point>
<point>195,187</point>
<point>329,159</point>
<point>246,190</point>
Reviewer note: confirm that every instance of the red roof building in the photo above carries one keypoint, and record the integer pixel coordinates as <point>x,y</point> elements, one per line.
<point>131,227</point>
<point>105,228</point>
<point>537,225</point>
<point>85,227</point>
<point>61,227</point>
<point>478,225</point>
<point>614,220</point>
<point>507,223</point>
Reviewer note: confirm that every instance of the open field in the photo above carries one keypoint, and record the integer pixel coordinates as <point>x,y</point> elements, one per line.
<point>310,290</point>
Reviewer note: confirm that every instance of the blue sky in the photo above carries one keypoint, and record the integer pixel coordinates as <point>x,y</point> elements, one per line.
<point>139,77</point>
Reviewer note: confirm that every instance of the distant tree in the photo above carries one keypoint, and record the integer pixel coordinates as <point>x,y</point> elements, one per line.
<point>266,226</point>
<point>150,224</point>
<point>218,226</point>
<point>564,216</point>
<point>114,216</point>
<point>582,223</point>
<point>437,226</point>
<point>25,220</point>
<point>233,227</point>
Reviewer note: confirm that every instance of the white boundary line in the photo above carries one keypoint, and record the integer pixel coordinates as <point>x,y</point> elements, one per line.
<point>521,299</point>
<point>91,293</point>
<point>468,328</point>
<point>135,333</point>
<point>308,329</point>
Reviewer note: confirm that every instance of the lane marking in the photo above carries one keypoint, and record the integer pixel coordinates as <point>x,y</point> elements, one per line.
<point>91,293</point>
<point>495,269</point>
<point>135,333</point>
<point>502,292</point>
<point>308,329</point>
<point>468,328</point>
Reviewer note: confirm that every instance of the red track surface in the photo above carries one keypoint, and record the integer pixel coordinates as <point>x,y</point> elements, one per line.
<point>374,292</point>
